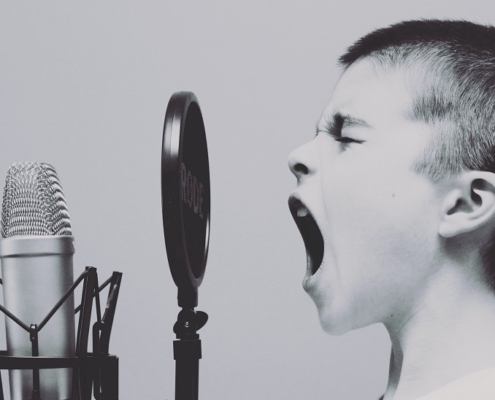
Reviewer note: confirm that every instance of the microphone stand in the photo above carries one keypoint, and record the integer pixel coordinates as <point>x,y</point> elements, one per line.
<point>187,352</point>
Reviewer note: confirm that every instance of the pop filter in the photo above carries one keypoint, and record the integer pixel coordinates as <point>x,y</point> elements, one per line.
<point>186,222</point>
<point>185,178</point>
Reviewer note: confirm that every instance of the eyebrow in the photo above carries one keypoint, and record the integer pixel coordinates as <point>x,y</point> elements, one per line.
<point>338,121</point>
<point>347,120</point>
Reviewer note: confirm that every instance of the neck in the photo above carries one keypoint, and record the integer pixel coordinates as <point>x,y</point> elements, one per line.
<point>448,334</point>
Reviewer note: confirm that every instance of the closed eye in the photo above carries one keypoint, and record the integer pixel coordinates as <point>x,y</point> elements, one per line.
<point>346,139</point>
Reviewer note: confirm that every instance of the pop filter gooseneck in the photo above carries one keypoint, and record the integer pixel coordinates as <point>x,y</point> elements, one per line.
<point>186,221</point>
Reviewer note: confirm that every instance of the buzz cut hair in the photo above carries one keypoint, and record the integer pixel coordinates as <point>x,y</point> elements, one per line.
<point>450,70</point>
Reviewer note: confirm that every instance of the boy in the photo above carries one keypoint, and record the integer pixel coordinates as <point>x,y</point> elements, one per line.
<point>396,205</point>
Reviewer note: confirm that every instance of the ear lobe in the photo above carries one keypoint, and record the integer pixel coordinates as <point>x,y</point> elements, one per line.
<point>469,205</point>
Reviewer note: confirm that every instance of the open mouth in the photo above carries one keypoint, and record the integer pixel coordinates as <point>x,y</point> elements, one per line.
<point>313,240</point>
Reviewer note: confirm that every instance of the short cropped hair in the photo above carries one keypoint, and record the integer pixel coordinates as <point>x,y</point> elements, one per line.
<point>452,70</point>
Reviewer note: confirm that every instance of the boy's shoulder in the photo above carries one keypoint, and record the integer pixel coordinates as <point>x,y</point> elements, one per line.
<point>479,385</point>
<point>476,386</point>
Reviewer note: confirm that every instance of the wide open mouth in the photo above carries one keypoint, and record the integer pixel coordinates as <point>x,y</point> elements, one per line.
<point>310,232</point>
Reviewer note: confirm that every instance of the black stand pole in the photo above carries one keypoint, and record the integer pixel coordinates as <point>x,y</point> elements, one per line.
<point>33,335</point>
<point>187,353</point>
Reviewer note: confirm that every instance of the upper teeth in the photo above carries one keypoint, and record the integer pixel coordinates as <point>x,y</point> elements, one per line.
<point>302,212</point>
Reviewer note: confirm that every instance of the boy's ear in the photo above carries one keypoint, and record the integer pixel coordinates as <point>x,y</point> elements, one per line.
<point>469,204</point>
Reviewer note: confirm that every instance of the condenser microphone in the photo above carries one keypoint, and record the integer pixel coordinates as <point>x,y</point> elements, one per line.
<point>36,252</point>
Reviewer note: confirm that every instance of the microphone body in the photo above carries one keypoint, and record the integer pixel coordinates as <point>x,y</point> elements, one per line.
<point>37,271</point>
<point>36,252</point>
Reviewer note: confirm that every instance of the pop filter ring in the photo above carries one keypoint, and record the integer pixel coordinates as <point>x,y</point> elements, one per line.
<point>186,222</point>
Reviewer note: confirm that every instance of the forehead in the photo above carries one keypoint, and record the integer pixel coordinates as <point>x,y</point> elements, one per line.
<point>371,93</point>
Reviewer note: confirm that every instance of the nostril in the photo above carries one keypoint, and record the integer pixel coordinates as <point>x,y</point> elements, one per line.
<point>301,161</point>
<point>300,169</point>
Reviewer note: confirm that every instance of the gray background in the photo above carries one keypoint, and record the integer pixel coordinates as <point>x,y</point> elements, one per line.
<point>84,86</point>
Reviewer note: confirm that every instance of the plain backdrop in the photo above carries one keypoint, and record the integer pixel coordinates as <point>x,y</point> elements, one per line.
<point>84,86</point>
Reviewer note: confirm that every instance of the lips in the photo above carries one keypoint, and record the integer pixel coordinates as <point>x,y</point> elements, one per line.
<point>310,232</point>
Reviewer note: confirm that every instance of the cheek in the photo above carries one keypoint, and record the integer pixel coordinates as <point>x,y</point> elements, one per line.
<point>381,222</point>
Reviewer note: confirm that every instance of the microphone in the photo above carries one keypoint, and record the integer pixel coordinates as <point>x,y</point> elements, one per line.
<point>36,252</point>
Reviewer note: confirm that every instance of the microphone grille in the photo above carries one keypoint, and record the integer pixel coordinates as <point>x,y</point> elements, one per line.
<point>33,202</point>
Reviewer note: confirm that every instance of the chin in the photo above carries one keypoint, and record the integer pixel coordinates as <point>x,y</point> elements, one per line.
<point>334,323</point>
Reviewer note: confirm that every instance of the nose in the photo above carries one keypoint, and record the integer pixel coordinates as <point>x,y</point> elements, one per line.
<point>303,161</point>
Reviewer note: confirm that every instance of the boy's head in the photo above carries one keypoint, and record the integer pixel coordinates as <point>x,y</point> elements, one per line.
<point>400,177</point>
<point>450,71</point>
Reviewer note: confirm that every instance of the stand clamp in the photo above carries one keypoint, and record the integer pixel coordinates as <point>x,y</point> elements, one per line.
<point>187,352</point>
